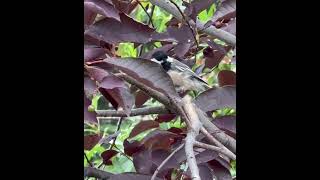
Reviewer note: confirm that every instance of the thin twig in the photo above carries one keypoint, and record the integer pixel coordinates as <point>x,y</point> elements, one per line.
<point>118,128</point>
<point>190,27</point>
<point>215,148</point>
<point>134,112</point>
<point>85,155</point>
<point>165,161</point>
<point>144,9</point>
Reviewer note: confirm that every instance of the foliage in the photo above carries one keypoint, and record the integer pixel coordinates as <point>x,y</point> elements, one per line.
<point>122,33</point>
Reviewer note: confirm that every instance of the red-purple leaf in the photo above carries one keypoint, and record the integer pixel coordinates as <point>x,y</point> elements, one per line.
<point>113,31</point>
<point>147,72</point>
<point>225,11</point>
<point>90,141</point>
<point>88,116</point>
<point>131,176</point>
<point>102,7</point>
<point>92,53</point>
<point>205,156</point>
<point>230,27</point>
<point>165,118</point>
<point>97,74</point>
<point>142,162</point>
<point>89,16</point>
<point>220,171</point>
<point>141,98</point>
<point>226,77</point>
<point>226,123</point>
<point>131,148</point>
<point>213,54</point>
<point>182,34</point>
<point>114,89</point>
<point>176,131</point>
<point>205,172</point>
<point>151,141</point>
<point>181,49</point>
<point>143,126</point>
<point>107,155</point>
<point>125,6</point>
<point>217,98</point>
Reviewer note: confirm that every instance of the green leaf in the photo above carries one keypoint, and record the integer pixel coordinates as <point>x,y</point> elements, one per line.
<point>127,50</point>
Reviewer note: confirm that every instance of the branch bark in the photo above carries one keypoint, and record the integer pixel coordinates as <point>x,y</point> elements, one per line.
<point>134,112</point>
<point>215,148</point>
<point>212,31</point>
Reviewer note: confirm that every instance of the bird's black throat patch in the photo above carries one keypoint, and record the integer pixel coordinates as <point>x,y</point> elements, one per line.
<point>166,65</point>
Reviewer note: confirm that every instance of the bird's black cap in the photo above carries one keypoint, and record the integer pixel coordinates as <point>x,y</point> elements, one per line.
<point>160,55</point>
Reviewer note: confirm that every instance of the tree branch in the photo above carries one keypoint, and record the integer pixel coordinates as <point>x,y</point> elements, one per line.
<point>144,9</point>
<point>97,173</point>
<point>165,161</point>
<point>212,31</point>
<point>215,148</point>
<point>134,112</point>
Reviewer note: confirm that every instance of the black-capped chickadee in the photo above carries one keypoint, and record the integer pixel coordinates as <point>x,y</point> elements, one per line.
<point>182,76</point>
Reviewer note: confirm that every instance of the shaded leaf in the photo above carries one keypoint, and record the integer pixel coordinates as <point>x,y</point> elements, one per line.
<point>131,148</point>
<point>89,16</point>
<point>226,123</point>
<point>217,98</point>
<point>226,77</point>
<point>92,53</point>
<point>115,90</point>
<point>181,49</point>
<point>125,6</point>
<point>158,156</point>
<point>147,72</point>
<point>165,118</point>
<point>141,98</point>
<point>230,27</point>
<point>205,156</point>
<point>142,162</point>
<point>177,131</point>
<point>131,176</point>
<point>182,34</point>
<point>113,31</point>
<point>88,116</point>
<point>143,126</point>
<point>151,140</point>
<point>102,7</point>
<point>102,103</point>
<point>205,172</point>
<point>220,171</point>
<point>90,141</point>
<point>213,54</point>
<point>225,11</point>
<point>97,73</point>
<point>107,155</point>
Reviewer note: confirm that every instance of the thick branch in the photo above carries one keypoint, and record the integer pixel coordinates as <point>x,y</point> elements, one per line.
<point>165,161</point>
<point>134,112</point>
<point>212,31</point>
<point>215,148</point>
<point>226,140</point>
<point>93,172</point>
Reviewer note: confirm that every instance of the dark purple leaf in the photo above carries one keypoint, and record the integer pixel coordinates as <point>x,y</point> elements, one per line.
<point>92,53</point>
<point>226,123</point>
<point>226,77</point>
<point>102,7</point>
<point>142,162</point>
<point>181,49</point>
<point>152,140</point>
<point>143,126</point>
<point>176,130</point>
<point>90,87</point>
<point>182,34</point>
<point>165,118</point>
<point>205,172</point>
<point>131,176</point>
<point>131,148</point>
<point>115,90</point>
<point>147,72</point>
<point>89,16</point>
<point>97,74</point>
<point>107,155</point>
<point>125,6</point>
<point>90,141</point>
<point>88,116</point>
<point>217,98</point>
<point>141,98</point>
<point>213,54</point>
<point>158,156</point>
<point>113,31</point>
<point>205,156</point>
<point>220,171</point>
<point>225,11</point>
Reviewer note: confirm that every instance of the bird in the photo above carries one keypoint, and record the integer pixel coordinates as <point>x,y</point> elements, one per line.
<point>182,76</point>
